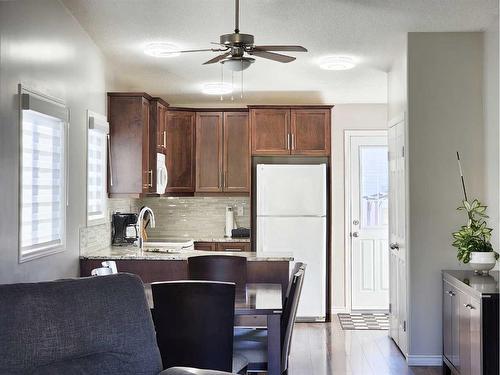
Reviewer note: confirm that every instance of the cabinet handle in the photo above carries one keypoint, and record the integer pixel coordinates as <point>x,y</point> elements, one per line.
<point>288,141</point>
<point>150,178</point>
<point>165,139</point>
<point>451,293</point>
<point>293,141</point>
<point>225,179</point>
<point>110,161</point>
<point>228,249</point>
<point>220,180</point>
<point>469,306</point>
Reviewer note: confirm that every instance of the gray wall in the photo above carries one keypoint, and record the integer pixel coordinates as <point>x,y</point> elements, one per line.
<point>445,108</point>
<point>346,117</point>
<point>491,133</point>
<point>43,47</point>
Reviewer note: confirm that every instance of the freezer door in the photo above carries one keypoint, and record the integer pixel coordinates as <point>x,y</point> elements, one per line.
<point>291,190</point>
<point>305,237</point>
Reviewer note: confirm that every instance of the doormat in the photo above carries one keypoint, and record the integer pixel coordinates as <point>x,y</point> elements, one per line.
<point>364,321</point>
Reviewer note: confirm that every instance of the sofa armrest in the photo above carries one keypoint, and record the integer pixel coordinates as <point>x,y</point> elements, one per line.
<point>191,371</point>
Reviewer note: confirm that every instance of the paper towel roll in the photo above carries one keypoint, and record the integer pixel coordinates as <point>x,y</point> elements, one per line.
<point>229,221</point>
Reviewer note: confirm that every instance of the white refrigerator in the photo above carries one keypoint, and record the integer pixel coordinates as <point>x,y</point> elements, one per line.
<point>291,217</point>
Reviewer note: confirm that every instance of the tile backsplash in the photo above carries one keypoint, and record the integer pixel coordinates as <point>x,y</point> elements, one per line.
<point>195,217</point>
<point>176,217</point>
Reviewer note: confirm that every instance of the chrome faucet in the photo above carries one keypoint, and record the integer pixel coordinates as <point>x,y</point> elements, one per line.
<point>140,223</point>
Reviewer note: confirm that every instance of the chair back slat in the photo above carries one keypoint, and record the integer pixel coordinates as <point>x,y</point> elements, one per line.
<point>290,313</point>
<point>227,268</point>
<point>194,323</point>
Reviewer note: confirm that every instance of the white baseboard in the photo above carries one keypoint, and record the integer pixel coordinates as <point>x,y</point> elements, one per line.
<point>425,360</point>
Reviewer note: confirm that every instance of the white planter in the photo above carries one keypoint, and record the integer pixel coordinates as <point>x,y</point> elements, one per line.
<point>482,262</point>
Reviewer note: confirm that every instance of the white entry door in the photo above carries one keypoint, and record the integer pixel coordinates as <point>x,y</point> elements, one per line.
<point>369,215</point>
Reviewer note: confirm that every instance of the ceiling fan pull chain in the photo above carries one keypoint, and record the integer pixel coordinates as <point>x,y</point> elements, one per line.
<point>221,79</point>
<point>241,88</point>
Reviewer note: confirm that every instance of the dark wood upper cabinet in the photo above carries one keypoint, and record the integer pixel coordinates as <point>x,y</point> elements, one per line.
<point>159,117</point>
<point>132,140</point>
<point>310,132</point>
<point>222,152</point>
<point>180,151</point>
<point>299,130</point>
<point>270,131</point>
<point>236,159</point>
<point>209,152</point>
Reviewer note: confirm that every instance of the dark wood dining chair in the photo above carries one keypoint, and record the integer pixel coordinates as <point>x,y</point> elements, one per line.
<point>227,268</point>
<point>194,323</point>
<point>253,344</point>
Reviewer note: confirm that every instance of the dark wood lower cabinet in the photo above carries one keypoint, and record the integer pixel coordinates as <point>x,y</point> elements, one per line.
<point>274,272</point>
<point>222,246</point>
<point>470,324</point>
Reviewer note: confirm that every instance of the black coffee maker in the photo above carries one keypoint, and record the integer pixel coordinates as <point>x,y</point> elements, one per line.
<point>124,228</point>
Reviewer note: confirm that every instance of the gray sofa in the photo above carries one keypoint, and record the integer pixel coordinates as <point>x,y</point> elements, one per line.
<point>96,325</point>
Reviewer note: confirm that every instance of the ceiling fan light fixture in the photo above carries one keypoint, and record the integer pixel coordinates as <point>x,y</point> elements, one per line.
<point>238,64</point>
<point>217,88</point>
<point>337,63</point>
<point>161,49</point>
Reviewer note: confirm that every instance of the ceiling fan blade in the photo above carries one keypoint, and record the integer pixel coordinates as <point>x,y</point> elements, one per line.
<point>203,50</point>
<point>281,48</point>
<point>217,58</point>
<point>272,56</point>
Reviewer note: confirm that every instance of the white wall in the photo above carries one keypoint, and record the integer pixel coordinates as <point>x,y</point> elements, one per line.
<point>491,133</point>
<point>43,47</point>
<point>346,117</point>
<point>445,114</point>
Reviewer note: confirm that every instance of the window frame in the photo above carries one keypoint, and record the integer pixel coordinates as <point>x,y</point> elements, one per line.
<point>97,122</point>
<point>45,105</point>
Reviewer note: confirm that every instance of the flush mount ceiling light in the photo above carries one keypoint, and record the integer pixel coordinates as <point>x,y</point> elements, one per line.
<point>160,49</point>
<point>217,88</point>
<point>337,63</point>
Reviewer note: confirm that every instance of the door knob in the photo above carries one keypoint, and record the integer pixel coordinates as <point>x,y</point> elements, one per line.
<point>355,234</point>
<point>394,246</point>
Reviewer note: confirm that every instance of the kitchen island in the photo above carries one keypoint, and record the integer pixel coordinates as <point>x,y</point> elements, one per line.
<point>154,266</point>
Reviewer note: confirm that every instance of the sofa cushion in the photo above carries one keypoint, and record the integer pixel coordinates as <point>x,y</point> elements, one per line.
<point>43,324</point>
<point>103,364</point>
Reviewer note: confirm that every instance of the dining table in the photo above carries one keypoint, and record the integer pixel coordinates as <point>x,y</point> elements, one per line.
<point>257,300</point>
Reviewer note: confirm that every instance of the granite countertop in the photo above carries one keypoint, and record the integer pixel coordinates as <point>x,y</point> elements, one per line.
<point>134,253</point>
<point>479,284</point>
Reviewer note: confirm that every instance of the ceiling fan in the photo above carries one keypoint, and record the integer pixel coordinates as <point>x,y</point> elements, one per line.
<point>236,46</point>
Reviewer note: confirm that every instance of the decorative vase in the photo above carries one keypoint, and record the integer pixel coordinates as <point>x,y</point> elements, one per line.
<point>482,262</point>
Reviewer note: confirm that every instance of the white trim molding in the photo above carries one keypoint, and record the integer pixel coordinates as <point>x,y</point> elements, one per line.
<point>424,360</point>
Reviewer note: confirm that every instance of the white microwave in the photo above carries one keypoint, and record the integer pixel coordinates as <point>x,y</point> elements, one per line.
<point>161,174</point>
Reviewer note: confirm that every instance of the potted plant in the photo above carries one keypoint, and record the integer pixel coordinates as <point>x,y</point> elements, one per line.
<point>473,239</point>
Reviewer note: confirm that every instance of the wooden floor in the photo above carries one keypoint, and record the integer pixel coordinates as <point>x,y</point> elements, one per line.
<point>324,348</point>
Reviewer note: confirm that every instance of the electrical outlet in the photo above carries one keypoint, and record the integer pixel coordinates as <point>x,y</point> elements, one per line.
<point>240,210</point>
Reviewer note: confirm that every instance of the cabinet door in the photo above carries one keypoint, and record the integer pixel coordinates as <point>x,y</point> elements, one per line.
<point>475,337</point>
<point>209,152</point>
<point>148,149</point>
<point>449,298</point>
<point>464,335</point>
<point>310,130</point>
<point>180,155</point>
<point>236,160</point>
<point>270,129</point>
<point>159,118</point>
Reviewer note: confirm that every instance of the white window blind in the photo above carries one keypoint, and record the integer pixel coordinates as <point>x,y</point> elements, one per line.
<point>97,169</point>
<point>42,180</point>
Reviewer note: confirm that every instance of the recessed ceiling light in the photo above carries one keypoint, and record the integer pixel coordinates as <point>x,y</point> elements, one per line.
<point>217,88</point>
<point>337,63</point>
<point>161,49</point>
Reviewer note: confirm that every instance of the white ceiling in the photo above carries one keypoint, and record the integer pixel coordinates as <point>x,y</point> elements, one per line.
<point>371,31</point>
